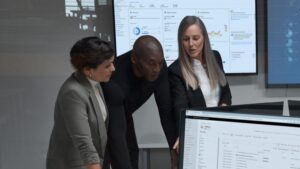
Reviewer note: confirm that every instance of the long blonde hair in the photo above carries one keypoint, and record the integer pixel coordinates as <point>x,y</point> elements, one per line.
<point>214,72</point>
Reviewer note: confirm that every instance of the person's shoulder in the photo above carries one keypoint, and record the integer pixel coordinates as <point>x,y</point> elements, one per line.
<point>122,62</point>
<point>218,58</point>
<point>217,55</point>
<point>175,67</point>
<point>123,57</point>
<point>73,83</point>
<point>112,92</point>
<point>112,88</point>
<point>73,88</point>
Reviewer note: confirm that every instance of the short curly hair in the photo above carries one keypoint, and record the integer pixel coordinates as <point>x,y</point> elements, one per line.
<point>90,52</point>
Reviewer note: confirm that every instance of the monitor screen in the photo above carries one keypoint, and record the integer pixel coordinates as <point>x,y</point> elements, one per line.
<point>267,108</point>
<point>283,38</point>
<point>294,107</point>
<point>231,26</point>
<point>231,140</point>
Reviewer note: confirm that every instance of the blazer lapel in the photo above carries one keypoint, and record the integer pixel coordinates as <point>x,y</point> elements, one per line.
<point>98,114</point>
<point>101,122</point>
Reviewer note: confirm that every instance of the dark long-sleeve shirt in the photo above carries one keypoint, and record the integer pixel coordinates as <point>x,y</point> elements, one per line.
<point>136,91</point>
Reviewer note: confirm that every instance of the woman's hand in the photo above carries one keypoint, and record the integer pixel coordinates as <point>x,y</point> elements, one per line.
<point>223,105</point>
<point>174,154</point>
<point>93,166</point>
<point>176,145</point>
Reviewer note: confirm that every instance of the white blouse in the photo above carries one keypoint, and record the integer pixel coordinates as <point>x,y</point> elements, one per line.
<point>99,95</point>
<point>211,96</point>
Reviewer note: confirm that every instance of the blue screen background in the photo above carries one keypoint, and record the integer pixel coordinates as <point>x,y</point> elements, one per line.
<point>283,32</point>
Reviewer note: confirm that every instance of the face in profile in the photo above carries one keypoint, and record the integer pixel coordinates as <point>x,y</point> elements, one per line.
<point>103,72</point>
<point>150,66</point>
<point>193,41</point>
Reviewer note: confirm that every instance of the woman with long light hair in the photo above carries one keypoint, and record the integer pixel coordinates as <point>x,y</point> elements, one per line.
<point>197,78</point>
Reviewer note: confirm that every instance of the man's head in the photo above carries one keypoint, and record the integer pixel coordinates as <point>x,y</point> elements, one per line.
<point>147,57</point>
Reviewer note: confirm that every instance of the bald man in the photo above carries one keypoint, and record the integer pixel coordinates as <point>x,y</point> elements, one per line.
<point>139,73</point>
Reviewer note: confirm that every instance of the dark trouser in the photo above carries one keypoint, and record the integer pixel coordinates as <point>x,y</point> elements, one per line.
<point>132,144</point>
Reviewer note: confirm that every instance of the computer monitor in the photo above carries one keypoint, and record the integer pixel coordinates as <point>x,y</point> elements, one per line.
<point>267,108</point>
<point>223,140</point>
<point>294,107</point>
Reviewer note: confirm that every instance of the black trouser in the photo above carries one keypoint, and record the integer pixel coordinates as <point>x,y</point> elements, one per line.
<point>132,144</point>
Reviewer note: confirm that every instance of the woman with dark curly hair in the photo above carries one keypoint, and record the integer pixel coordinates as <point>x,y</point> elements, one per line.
<point>79,136</point>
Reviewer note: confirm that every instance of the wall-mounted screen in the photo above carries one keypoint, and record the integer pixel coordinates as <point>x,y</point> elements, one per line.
<point>283,38</point>
<point>231,26</point>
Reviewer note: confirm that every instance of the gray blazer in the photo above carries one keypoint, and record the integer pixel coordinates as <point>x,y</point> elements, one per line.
<point>79,134</point>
